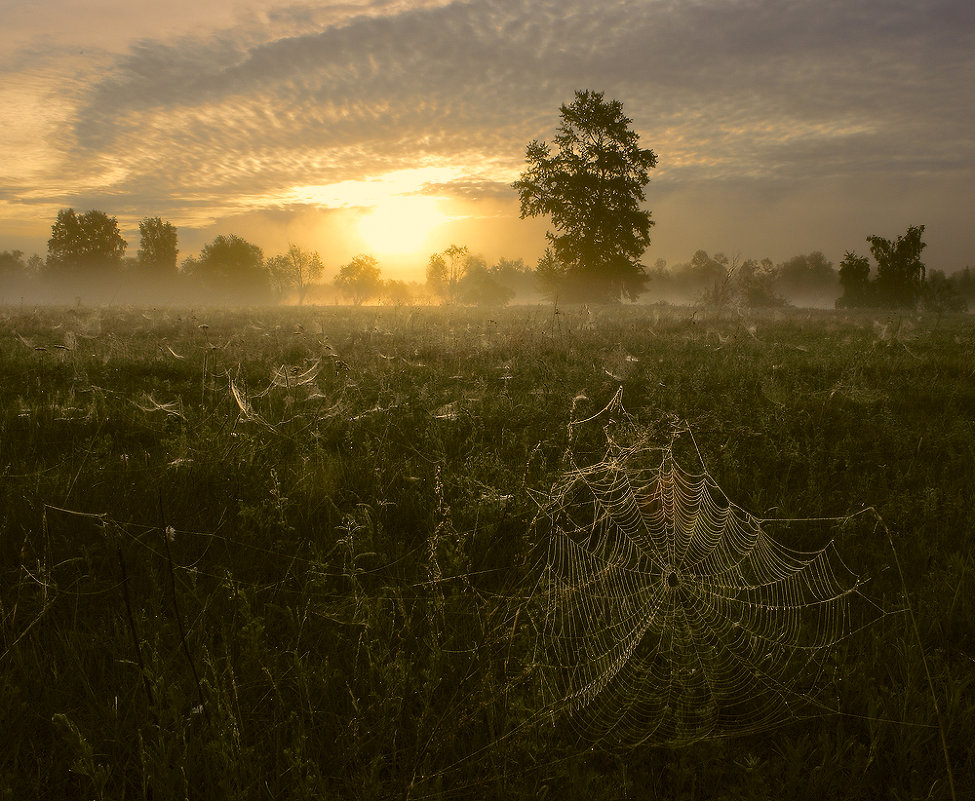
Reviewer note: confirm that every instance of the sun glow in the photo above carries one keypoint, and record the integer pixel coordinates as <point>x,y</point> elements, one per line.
<point>400,224</point>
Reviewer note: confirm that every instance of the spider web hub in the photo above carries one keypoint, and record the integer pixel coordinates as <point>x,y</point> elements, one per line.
<point>668,614</point>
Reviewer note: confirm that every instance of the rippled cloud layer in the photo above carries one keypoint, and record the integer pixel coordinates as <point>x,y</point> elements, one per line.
<point>780,126</point>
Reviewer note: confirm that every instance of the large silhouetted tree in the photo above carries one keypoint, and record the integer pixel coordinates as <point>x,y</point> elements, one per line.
<point>82,242</point>
<point>591,187</point>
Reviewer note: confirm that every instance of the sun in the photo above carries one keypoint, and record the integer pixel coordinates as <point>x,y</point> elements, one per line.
<point>400,224</point>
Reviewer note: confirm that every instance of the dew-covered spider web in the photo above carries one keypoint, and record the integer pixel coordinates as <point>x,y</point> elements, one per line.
<point>668,614</point>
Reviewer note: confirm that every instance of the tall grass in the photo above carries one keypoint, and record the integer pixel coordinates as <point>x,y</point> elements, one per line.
<point>285,553</point>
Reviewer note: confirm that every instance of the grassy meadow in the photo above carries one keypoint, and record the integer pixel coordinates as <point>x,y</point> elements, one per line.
<point>289,553</point>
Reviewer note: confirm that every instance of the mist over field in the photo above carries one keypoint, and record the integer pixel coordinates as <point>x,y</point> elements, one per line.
<point>432,399</point>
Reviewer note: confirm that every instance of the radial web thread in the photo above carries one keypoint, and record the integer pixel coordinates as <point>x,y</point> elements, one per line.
<point>669,615</point>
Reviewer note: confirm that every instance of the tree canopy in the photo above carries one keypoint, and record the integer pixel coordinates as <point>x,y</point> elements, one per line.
<point>809,279</point>
<point>158,249</point>
<point>445,271</point>
<point>88,240</point>
<point>591,186</point>
<point>481,286</point>
<point>900,274</point>
<point>855,280</point>
<point>900,271</point>
<point>12,263</point>
<point>297,269</point>
<point>233,268</point>
<point>360,279</point>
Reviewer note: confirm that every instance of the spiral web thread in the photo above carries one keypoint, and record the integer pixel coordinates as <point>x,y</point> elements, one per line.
<point>669,615</point>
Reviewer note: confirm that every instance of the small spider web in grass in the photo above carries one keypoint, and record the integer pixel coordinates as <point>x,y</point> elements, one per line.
<point>669,615</point>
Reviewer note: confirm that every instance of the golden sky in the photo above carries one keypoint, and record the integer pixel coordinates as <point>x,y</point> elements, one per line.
<point>396,127</point>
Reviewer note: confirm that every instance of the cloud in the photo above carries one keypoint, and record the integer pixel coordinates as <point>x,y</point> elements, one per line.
<point>738,93</point>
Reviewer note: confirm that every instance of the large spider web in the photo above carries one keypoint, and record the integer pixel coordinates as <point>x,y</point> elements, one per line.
<point>669,615</point>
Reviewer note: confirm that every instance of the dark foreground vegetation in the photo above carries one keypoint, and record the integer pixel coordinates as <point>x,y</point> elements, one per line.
<point>289,554</point>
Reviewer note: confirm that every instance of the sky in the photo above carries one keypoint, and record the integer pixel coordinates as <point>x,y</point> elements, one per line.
<point>395,127</point>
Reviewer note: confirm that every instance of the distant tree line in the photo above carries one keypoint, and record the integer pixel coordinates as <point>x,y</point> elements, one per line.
<point>86,259</point>
<point>722,281</point>
<point>900,278</point>
<point>590,184</point>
